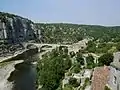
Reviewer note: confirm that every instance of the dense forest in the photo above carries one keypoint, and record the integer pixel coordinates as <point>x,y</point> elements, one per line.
<point>71,33</point>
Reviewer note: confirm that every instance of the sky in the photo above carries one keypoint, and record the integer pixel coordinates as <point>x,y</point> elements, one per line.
<point>98,12</point>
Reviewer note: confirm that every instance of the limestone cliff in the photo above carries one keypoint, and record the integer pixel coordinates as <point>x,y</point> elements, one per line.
<point>15,29</point>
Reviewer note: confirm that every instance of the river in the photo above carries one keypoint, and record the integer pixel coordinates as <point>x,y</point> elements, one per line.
<point>23,77</point>
<point>20,75</point>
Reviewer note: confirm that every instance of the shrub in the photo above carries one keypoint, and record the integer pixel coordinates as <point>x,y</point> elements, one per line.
<point>107,88</point>
<point>73,82</point>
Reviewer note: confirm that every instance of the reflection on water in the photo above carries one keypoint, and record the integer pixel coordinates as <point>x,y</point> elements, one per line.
<point>24,77</point>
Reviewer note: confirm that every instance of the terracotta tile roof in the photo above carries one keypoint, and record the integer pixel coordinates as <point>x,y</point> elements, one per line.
<point>100,78</point>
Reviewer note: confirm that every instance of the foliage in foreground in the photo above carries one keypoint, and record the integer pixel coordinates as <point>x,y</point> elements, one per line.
<point>107,88</point>
<point>73,82</point>
<point>105,59</point>
<point>52,67</point>
<point>90,61</point>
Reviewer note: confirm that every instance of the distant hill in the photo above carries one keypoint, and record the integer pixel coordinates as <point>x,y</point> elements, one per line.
<point>71,33</point>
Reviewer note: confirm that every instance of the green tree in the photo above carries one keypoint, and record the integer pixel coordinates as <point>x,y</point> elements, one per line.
<point>105,59</point>
<point>107,88</point>
<point>118,46</point>
<point>79,58</point>
<point>90,61</point>
<point>73,82</point>
<point>77,68</point>
<point>91,47</point>
<point>67,63</point>
<point>72,54</point>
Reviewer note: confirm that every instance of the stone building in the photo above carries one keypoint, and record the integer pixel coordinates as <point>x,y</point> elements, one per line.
<point>114,79</point>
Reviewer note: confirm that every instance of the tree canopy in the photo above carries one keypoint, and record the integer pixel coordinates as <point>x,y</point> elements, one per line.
<point>105,59</point>
<point>52,67</point>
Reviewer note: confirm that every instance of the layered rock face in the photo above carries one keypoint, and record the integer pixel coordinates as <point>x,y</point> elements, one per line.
<point>15,29</point>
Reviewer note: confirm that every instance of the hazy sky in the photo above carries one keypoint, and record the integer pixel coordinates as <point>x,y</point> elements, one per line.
<point>103,12</point>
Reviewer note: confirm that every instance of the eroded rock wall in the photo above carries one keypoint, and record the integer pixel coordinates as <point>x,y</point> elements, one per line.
<point>15,29</point>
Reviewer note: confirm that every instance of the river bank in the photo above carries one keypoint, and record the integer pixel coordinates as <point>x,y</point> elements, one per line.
<point>8,66</point>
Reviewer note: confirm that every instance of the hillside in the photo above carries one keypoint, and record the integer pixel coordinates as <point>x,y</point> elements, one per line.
<point>15,29</point>
<point>71,33</point>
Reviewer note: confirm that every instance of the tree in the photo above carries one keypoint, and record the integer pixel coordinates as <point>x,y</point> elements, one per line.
<point>66,50</point>
<point>72,54</point>
<point>67,63</point>
<point>118,46</point>
<point>107,88</point>
<point>79,58</point>
<point>105,59</point>
<point>79,38</point>
<point>90,61</point>
<point>77,68</point>
<point>91,46</point>
<point>73,82</point>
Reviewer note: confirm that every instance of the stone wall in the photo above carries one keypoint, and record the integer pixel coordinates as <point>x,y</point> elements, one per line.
<point>114,79</point>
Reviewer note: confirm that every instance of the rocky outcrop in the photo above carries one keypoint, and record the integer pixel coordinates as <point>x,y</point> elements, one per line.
<point>15,29</point>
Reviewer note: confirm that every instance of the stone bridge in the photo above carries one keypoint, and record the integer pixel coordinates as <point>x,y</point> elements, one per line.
<point>46,46</point>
